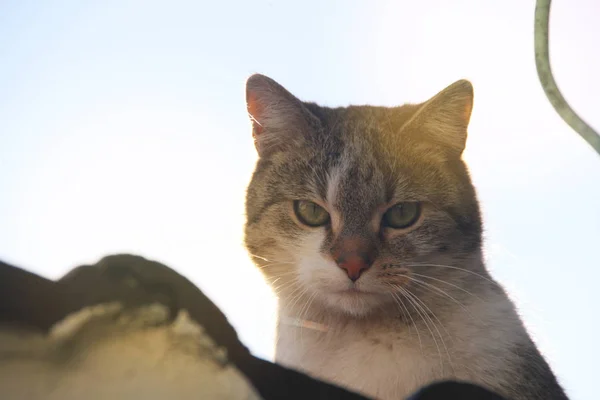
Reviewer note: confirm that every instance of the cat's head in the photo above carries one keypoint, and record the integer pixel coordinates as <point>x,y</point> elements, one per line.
<point>348,206</point>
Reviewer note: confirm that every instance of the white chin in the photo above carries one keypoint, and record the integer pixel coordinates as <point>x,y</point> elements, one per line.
<point>352,303</point>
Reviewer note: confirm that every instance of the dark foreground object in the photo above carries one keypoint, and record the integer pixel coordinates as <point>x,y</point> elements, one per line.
<point>36,305</point>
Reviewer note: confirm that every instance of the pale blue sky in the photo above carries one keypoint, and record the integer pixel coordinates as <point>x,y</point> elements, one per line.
<point>123,128</point>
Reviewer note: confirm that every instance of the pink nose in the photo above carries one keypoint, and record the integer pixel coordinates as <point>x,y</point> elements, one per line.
<point>354,265</point>
<point>353,255</point>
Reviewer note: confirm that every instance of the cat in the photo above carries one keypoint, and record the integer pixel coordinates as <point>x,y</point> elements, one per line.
<point>365,222</point>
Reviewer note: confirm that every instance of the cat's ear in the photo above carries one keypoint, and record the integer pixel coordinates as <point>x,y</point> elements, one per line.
<point>443,120</point>
<point>278,118</point>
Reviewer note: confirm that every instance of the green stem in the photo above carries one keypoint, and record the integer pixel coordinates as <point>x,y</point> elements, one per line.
<point>542,62</point>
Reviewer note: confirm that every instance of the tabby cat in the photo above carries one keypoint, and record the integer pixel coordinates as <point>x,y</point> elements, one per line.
<point>366,223</point>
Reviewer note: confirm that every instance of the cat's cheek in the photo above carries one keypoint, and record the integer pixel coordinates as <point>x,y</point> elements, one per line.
<point>315,271</point>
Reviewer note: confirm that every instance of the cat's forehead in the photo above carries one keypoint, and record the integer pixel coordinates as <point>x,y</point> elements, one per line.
<point>349,165</point>
<point>355,167</point>
<point>352,127</point>
<point>355,186</point>
<point>364,134</point>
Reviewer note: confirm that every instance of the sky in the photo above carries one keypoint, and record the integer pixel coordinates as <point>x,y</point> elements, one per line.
<point>123,128</point>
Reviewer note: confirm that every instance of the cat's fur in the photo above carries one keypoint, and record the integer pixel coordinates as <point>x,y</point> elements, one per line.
<point>427,309</point>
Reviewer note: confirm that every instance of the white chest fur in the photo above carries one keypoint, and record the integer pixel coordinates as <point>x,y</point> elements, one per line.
<point>388,360</point>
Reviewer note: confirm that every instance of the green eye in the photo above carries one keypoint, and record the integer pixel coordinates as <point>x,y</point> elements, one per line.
<point>402,215</point>
<point>310,214</point>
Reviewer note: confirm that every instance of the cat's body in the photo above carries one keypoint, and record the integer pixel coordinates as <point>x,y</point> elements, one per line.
<point>386,358</point>
<point>366,224</point>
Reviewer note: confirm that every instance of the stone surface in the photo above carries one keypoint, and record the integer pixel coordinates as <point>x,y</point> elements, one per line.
<point>106,352</point>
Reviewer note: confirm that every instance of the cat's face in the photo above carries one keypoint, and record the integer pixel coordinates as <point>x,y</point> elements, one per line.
<point>348,207</point>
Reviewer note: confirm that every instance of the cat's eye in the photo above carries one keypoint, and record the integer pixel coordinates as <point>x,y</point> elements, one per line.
<point>402,215</point>
<point>310,214</point>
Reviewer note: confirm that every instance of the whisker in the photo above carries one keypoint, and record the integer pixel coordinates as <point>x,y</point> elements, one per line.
<point>422,314</point>
<point>279,288</point>
<point>436,328</point>
<point>456,268</point>
<point>437,289</point>
<point>272,282</point>
<point>274,263</point>
<point>399,301</point>
<point>306,323</point>
<point>281,274</point>
<point>294,283</point>
<point>257,256</point>
<point>271,260</point>
<point>297,297</point>
<point>447,283</point>
<point>305,311</point>
<point>430,311</point>
<point>402,309</point>
<point>299,322</point>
